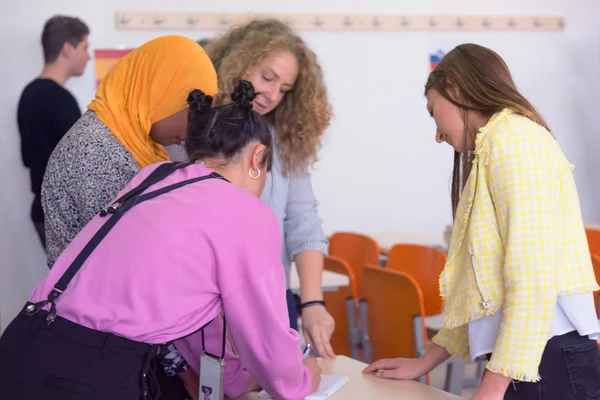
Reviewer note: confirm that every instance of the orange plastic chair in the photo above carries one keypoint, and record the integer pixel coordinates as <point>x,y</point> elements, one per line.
<point>396,314</point>
<point>357,250</point>
<point>596,265</point>
<point>424,264</point>
<point>593,237</point>
<point>336,306</point>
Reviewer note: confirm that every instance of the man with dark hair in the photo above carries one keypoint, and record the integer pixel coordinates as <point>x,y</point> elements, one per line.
<point>46,109</point>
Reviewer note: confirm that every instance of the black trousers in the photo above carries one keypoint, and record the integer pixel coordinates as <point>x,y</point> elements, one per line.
<point>171,387</point>
<point>569,370</point>
<point>41,231</point>
<point>66,361</point>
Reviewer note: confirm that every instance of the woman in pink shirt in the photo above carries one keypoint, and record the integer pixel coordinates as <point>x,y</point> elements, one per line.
<point>192,240</point>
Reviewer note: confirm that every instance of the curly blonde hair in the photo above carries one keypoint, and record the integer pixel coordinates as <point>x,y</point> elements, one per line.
<point>304,113</point>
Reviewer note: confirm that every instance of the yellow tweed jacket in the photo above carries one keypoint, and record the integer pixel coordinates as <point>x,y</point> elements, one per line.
<point>518,242</point>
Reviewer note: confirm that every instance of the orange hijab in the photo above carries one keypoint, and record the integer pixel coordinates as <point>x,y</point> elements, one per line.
<point>149,84</point>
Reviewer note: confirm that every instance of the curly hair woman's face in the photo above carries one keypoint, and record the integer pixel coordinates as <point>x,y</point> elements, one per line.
<point>272,78</point>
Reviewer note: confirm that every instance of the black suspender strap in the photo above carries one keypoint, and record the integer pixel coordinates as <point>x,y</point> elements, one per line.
<point>161,172</point>
<point>116,210</point>
<point>148,196</point>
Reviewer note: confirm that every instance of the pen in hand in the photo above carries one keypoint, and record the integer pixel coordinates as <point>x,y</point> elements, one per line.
<point>313,369</point>
<point>306,351</point>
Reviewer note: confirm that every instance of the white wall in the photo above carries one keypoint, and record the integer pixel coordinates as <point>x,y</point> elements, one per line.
<point>380,168</point>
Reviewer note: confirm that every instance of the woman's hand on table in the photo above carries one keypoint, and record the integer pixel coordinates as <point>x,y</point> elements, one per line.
<point>409,368</point>
<point>318,326</point>
<point>397,368</point>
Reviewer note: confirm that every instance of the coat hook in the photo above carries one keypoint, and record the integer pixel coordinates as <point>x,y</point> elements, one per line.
<point>432,22</point>
<point>511,22</point>
<point>192,20</point>
<point>405,21</point>
<point>486,22</point>
<point>347,21</point>
<point>536,22</point>
<point>224,20</point>
<point>124,19</point>
<point>319,21</point>
<point>376,21</point>
<point>158,20</point>
<point>459,22</point>
<point>561,22</point>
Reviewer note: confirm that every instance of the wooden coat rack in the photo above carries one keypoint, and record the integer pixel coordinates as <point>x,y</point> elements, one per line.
<point>127,20</point>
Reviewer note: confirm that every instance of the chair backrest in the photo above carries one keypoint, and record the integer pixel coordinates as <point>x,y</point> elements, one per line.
<point>596,265</point>
<point>593,237</point>
<point>357,250</point>
<point>394,299</point>
<point>336,305</point>
<point>424,264</point>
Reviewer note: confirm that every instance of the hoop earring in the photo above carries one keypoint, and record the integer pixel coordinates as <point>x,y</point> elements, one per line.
<point>254,177</point>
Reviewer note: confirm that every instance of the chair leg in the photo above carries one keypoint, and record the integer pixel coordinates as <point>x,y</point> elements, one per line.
<point>382,260</point>
<point>419,341</point>
<point>363,315</point>
<point>480,369</point>
<point>455,375</point>
<point>354,332</point>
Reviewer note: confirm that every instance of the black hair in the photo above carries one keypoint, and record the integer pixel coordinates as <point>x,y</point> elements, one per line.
<point>224,131</point>
<point>59,30</point>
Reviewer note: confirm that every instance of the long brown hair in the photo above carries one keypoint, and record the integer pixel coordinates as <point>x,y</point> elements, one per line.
<point>304,113</point>
<point>485,85</point>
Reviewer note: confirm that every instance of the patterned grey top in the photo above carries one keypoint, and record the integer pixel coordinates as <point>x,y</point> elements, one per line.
<point>86,171</point>
<point>293,201</point>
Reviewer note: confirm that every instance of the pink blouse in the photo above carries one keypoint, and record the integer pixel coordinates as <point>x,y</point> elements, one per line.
<point>173,263</point>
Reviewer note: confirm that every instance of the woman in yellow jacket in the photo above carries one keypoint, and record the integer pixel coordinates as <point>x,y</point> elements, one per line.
<point>518,280</point>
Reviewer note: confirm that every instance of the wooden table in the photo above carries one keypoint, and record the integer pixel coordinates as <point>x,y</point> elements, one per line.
<point>369,387</point>
<point>388,239</point>
<point>332,281</point>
